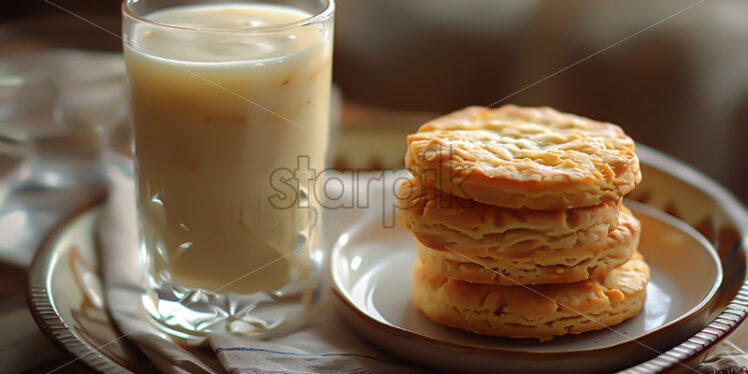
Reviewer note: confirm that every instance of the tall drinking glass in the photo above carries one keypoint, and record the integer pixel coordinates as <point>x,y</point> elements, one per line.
<point>230,106</point>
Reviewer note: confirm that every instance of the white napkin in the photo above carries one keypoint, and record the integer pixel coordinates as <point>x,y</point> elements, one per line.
<point>324,345</point>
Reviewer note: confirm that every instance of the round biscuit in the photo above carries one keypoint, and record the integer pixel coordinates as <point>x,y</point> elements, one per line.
<point>441,221</point>
<point>540,312</point>
<point>590,256</point>
<point>518,157</point>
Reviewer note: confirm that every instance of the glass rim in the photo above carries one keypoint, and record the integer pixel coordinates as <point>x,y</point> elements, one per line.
<point>319,17</point>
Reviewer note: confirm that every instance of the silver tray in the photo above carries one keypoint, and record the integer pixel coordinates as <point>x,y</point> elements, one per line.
<point>67,299</point>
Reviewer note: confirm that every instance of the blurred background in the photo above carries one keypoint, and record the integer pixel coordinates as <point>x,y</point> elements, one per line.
<point>673,74</point>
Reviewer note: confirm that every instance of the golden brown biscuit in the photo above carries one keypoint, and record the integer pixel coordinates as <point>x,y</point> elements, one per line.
<point>440,221</point>
<point>516,157</point>
<point>592,255</point>
<point>540,312</point>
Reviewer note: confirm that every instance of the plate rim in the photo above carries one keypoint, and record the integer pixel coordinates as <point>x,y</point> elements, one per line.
<point>736,310</point>
<point>43,308</point>
<point>704,302</point>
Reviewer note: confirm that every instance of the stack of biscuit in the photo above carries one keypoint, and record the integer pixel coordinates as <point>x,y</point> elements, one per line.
<point>519,226</point>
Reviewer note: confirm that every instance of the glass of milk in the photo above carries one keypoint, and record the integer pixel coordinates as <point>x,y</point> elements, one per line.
<point>230,104</point>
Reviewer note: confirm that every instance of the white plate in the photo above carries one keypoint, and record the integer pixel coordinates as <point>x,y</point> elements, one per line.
<point>371,267</point>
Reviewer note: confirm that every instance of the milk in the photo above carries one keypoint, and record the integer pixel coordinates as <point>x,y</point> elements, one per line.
<point>214,114</point>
